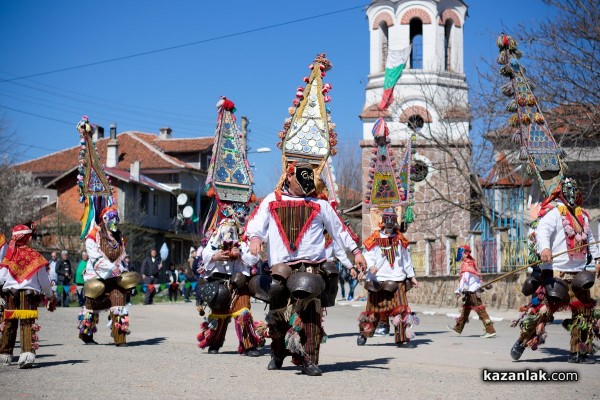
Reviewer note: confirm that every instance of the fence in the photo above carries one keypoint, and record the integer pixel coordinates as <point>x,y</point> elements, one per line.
<point>418,260</point>
<point>514,254</point>
<point>486,256</point>
<point>438,261</point>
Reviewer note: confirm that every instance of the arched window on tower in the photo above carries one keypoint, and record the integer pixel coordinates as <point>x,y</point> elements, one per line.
<point>416,39</point>
<point>383,29</point>
<point>448,44</point>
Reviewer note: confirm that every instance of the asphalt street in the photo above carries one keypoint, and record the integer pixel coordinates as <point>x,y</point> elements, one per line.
<point>162,361</point>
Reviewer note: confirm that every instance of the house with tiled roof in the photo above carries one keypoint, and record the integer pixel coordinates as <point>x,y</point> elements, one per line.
<point>149,174</point>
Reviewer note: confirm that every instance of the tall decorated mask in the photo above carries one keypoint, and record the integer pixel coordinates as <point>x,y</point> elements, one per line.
<point>111,219</point>
<point>306,178</point>
<point>241,212</point>
<point>389,219</point>
<point>570,191</point>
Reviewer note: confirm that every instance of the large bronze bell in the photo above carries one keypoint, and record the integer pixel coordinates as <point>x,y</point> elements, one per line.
<point>238,280</point>
<point>281,271</point>
<point>208,291</point>
<point>331,274</point>
<point>265,288</point>
<point>94,288</point>
<point>222,300</point>
<point>390,286</point>
<point>557,290</point>
<point>373,286</point>
<point>584,280</point>
<point>305,285</point>
<point>530,285</point>
<point>128,280</point>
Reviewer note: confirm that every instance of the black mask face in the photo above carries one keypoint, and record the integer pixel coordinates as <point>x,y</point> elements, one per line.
<point>570,192</point>
<point>306,178</point>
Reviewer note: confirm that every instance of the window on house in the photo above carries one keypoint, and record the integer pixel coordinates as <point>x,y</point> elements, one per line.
<point>172,206</point>
<point>144,199</point>
<point>383,29</point>
<point>415,122</point>
<point>419,172</point>
<point>448,44</point>
<point>416,39</point>
<point>155,204</point>
<point>205,160</point>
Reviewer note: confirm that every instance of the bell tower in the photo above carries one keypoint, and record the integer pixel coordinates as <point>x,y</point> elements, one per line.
<point>430,106</point>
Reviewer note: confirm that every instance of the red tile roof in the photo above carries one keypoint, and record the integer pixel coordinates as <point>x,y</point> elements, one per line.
<point>504,174</point>
<point>146,148</point>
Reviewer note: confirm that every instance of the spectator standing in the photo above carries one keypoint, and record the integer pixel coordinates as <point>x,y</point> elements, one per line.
<point>64,273</point>
<point>150,269</point>
<point>79,277</point>
<point>183,277</point>
<point>173,281</point>
<point>52,270</point>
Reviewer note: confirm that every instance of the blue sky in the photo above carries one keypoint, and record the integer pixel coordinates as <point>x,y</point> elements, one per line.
<point>258,70</point>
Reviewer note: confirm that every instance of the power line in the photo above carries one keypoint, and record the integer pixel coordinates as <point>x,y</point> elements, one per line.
<point>145,53</point>
<point>37,115</point>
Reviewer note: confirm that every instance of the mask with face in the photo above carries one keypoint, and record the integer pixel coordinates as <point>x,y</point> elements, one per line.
<point>111,219</point>
<point>389,220</point>
<point>306,179</point>
<point>570,191</point>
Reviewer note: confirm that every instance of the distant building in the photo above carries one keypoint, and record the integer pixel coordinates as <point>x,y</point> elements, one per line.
<point>431,98</point>
<point>147,172</point>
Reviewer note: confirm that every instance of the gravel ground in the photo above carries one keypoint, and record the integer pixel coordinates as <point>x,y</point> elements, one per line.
<point>162,361</point>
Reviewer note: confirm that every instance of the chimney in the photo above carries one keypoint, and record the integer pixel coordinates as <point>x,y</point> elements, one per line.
<point>98,133</point>
<point>165,133</point>
<point>112,149</point>
<point>134,171</point>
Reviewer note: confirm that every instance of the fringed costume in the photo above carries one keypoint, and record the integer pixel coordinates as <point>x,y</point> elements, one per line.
<point>291,221</point>
<point>555,232</point>
<point>390,257</point>
<point>24,279</point>
<point>226,260</point>
<point>469,286</point>
<point>107,281</point>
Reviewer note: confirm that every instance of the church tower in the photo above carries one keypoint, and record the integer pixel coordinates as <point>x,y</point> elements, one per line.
<point>430,104</point>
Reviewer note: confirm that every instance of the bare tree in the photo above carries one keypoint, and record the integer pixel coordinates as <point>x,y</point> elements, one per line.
<point>348,174</point>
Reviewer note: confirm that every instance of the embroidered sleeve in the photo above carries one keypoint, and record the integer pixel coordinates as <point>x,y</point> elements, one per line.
<point>407,260</point>
<point>340,254</point>
<point>101,265</point>
<point>545,229</point>
<point>44,281</point>
<point>334,224</point>
<point>248,258</point>
<point>208,253</point>
<point>258,223</point>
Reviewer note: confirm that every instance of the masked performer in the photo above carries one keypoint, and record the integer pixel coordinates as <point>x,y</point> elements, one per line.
<point>226,260</point>
<point>24,279</point>
<point>227,266</point>
<point>469,286</point>
<point>390,270</point>
<point>291,220</point>
<point>563,226</point>
<point>106,279</point>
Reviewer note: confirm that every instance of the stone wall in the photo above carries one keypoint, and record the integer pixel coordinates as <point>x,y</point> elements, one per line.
<point>505,294</point>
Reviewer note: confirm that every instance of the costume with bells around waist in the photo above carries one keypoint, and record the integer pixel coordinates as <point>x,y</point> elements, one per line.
<point>228,263</point>
<point>226,259</point>
<point>291,220</point>
<point>469,286</point>
<point>390,274</point>
<point>107,281</point>
<point>390,270</point>
<point>24,279</point>
<point>562,225</point>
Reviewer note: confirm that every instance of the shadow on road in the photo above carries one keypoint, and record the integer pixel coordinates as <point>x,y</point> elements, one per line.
<point>345,334</point>
<point>53,363</point>
<point>147,342</point>
<point>378,363</point>
<point>554,355</point>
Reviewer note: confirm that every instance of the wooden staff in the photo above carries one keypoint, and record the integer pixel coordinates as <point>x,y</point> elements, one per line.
<point>537,262</point>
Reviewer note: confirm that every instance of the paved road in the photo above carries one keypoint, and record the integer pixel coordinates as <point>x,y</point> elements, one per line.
<point>163,362</point>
